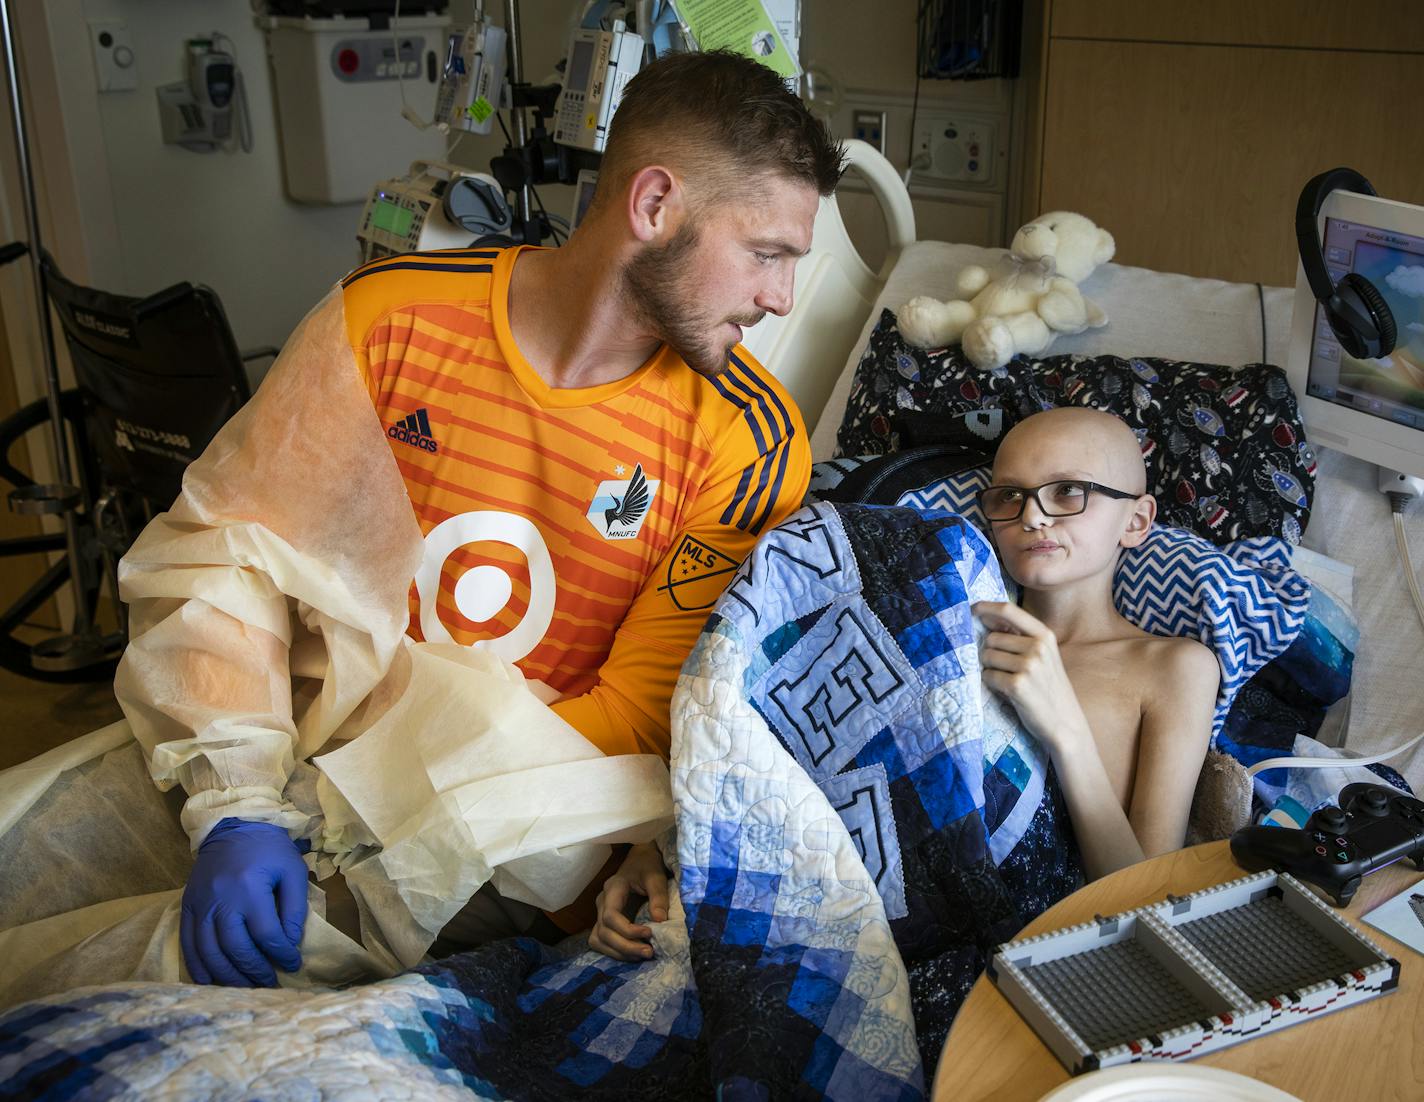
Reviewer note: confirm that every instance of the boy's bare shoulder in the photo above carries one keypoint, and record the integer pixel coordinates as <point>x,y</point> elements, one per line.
<point>1181,665</point>
<point>1190,654</point>
<point>1170,659</point>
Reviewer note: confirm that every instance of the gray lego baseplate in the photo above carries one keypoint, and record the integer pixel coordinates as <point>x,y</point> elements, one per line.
<point>1117,993</point>
<point>1189,974</point>
<point>1245,943</point>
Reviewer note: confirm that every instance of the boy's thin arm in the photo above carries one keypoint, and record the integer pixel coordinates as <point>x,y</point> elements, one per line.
<point>1106,837</point>
<point>1022,661</point>
<point>1176,728</point>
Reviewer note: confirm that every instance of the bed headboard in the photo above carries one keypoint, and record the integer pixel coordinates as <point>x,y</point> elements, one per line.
<point>835,290</point>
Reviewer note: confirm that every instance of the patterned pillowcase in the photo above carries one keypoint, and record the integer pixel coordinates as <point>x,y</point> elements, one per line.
<point>1244,602</point>
<point>1225,449</point>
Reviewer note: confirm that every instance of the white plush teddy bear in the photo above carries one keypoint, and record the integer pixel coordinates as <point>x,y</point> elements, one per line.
<point>1026,308</point>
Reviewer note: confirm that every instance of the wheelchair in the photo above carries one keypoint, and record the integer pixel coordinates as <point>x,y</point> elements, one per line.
<point>156,378</point>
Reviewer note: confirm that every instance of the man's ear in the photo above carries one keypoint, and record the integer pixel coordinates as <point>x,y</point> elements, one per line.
<point>1144,512</point>
<point>654,195</point>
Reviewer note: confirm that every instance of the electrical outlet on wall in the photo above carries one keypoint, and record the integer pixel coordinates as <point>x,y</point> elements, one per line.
<point>958,147</point>
<point>1393,482</point>
<point>952,201</point>
<point>869,126</point>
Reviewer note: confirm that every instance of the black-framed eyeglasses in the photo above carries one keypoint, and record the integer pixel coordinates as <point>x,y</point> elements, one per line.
<point>1066,497</point>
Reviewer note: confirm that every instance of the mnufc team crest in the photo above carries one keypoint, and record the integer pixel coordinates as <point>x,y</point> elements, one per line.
<point>619,508</point>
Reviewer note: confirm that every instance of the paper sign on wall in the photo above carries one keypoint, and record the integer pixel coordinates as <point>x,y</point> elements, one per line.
<point>742,26</point>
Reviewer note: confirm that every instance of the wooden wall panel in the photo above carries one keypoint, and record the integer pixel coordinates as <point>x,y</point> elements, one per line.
<point>1030,98</point>
<point>1194,156</point>
<point>1390,25</point>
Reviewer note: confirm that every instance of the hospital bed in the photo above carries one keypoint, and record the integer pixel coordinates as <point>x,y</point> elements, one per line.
<point>839,300</point>
<point>813,926</point>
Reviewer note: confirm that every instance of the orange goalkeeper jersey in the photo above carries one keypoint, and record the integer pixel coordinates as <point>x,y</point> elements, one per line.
<point>581,534</point>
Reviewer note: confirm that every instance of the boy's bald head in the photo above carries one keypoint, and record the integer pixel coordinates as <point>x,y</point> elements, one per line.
<point>1088,440</point>
<point>1064,542</point>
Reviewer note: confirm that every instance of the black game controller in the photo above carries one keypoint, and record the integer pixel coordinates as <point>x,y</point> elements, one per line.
<point>1373,826</point>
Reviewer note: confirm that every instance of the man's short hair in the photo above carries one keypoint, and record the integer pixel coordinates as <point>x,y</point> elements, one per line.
<point>724,120</point>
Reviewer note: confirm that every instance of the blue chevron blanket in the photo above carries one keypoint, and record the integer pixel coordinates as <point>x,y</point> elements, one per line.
<point>858,824</point>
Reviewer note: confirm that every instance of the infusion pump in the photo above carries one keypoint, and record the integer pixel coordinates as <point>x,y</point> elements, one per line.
<point>472,79</point>
<point>434,206</point>
<point>601,63</point>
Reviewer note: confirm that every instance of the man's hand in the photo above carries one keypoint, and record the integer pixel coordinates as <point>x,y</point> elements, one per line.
<point>1021,661</point>
<point>641,876</point>
<point>245,906</point>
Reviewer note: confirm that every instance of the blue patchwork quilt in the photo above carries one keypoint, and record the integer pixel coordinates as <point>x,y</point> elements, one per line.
<point>857,826</point>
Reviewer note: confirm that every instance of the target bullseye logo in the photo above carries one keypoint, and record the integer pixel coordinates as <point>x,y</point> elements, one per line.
<point>483,590</point>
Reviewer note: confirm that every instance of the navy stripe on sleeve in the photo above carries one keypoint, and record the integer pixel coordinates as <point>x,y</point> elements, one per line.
<point>783,431</point>
<point>750,385</point>
<point>717,383</point>
<point>362,273</point>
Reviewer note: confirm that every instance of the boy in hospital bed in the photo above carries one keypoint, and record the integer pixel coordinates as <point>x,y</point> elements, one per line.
<point>1124,715</point>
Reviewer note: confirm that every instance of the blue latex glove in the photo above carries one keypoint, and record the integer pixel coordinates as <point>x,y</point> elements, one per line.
<point>245,906</point>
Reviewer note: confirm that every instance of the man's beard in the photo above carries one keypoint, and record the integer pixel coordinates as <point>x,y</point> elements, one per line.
<point>661,293</point>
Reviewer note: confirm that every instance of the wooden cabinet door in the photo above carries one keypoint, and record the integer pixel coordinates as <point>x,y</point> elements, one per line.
<point>1193,153</point>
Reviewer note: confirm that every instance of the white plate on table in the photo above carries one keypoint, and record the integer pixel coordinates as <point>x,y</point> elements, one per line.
<point>1166,1083</point>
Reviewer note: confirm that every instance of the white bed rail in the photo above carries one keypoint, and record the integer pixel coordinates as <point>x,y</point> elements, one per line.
<point>835,290</point>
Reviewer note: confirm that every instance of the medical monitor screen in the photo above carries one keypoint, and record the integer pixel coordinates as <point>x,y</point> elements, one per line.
<point>1391,387</point>
<point>579,65</point>
<point>392,217</point>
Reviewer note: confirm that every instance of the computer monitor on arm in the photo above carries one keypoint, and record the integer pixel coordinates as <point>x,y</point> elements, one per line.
<point>1369,407</point>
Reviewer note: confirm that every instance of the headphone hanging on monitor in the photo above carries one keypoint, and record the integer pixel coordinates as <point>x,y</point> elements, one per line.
<point>1354,307</point>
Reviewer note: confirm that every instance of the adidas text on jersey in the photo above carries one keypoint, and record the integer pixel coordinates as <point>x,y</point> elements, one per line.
<point>415,430</point>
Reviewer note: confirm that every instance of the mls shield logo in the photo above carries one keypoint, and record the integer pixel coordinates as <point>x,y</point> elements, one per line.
<point>697,574</point>
<point>619,508</point>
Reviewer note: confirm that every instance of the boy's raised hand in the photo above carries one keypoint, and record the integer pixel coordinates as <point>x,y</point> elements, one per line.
<point>1021,661</point>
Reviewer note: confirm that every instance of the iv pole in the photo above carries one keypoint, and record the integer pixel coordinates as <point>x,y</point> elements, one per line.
<point>516,77</point>
<point>532,157</point>
<point>84,646</point>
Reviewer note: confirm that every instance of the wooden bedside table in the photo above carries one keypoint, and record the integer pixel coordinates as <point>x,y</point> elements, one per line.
<point>1374,1051</point>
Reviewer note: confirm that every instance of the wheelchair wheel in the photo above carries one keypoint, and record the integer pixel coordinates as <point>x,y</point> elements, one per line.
<point>94,656</point>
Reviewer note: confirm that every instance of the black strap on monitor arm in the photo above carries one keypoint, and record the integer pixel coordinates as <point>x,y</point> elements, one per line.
<point>1307,214</point>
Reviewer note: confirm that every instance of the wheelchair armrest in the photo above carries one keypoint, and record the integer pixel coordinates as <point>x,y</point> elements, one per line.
<point>22,421</point>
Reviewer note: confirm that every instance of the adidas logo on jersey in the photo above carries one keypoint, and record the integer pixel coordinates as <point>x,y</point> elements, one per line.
<point>414,430</point>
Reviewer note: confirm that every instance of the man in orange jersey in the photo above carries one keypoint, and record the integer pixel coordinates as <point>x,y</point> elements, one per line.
<point>571,456</point>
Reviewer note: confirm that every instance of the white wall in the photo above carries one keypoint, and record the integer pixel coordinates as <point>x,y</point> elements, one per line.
<point>218,218</point>
<point>155,214</point>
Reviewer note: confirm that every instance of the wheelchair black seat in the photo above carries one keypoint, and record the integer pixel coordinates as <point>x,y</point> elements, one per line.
<point>156,378</point>
<point>160,375</point>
